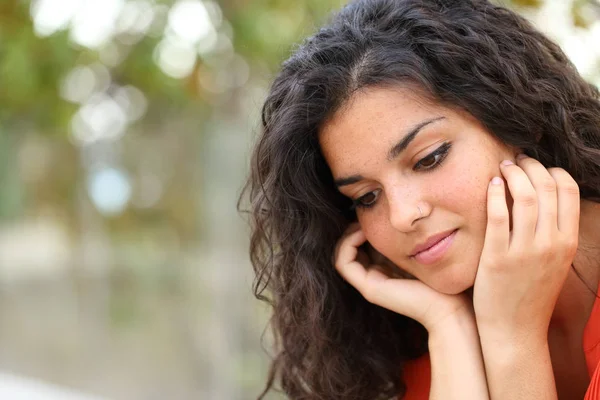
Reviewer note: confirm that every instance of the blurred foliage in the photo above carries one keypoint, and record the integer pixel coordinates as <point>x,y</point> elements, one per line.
<point>168,254</point>
<point>31,67</point>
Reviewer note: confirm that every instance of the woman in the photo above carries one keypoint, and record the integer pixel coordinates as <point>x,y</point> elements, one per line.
<point>426,203</point>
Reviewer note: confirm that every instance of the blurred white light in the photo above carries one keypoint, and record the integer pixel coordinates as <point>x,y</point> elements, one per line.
<point>50,16</point>
<point>223,47</point>
<point>157,26</point>
<point>103,78</point>
<point>109,190</point>
<point>215,13</point>
<point>221,53</point>
<point>79,85</point>
<point>208,43</point>
<point>555,19</point>
<point>94,22</point>
<point>175,59</point>
<point>227,29</point>
<point>577,48</point>
<point>100,118</point>
<point>132,101</point>
<point>595,36</point>
<point>136,17</point>
<point>190,21</point>
<point>83,81</point>
<point>111,54</point>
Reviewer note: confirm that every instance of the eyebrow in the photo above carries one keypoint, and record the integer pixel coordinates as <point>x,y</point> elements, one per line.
<point>394,152</point>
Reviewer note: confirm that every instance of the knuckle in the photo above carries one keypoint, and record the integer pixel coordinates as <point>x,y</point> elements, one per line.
<point>564,180</point>
<point>571,188</point>
<point>548,185</point>
<point>497,219</point>
<point>526,199</point>
<point>545,249</point>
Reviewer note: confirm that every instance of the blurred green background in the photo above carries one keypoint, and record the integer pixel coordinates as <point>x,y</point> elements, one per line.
<point>125,132</point>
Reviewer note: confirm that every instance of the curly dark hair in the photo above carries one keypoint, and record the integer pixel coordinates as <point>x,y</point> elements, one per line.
<point>467,54</point>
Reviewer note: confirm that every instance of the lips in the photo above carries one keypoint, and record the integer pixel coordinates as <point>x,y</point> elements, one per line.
<point>431,241</point>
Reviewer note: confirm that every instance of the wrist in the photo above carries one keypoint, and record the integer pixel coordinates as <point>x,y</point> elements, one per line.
<point>507,348</point>
<point>523,361</point>
<point>459,326</point>
<point>508,338</point>
<point>458,313</point>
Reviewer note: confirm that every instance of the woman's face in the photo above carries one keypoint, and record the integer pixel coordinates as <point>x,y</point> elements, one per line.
<point>444,170</point>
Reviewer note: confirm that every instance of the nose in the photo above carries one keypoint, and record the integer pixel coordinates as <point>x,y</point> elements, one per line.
<point>404,210</point>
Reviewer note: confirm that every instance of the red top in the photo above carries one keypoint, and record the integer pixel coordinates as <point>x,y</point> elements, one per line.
<point>417,374</point>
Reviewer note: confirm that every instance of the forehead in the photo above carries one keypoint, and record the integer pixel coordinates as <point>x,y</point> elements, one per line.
<point>372,121</point>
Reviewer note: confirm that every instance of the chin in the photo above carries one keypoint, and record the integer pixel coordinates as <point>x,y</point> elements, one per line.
<point>454,283</point>
<point>457,289</point>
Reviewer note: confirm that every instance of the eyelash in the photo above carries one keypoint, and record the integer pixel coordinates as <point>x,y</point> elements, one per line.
<point>441,151</point>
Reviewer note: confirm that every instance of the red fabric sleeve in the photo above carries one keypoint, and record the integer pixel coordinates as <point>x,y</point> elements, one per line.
<point>417,375</point>
<point>593,392</point>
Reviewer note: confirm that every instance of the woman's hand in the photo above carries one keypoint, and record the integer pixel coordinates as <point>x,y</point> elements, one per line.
<point>408,297</point>
<point>521,272</point>
<point>457,370</point>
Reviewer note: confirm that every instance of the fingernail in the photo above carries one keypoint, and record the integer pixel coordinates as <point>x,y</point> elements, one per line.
<point>507,162</point>
<point>521,156</point>
<point>497,181</point>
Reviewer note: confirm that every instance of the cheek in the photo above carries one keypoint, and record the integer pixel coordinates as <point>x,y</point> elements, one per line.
<point>384,239</point>
<point>376,227</point>
<point>468,188</point>
<point>466,196</point>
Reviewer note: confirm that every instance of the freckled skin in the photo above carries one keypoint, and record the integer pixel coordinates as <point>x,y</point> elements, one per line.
<point>356,141</point>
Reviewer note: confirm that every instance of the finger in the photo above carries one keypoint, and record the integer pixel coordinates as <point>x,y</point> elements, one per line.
<point>348,246</point>
<point>568,202</point>
<point>545,187</point>
<point>525,205</point>
<point>353,227</point>
<point>346,262</point>
<point>497,234</point>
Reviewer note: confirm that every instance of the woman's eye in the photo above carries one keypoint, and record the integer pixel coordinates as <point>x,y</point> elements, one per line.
<point>367,200</point>
<point>429,161</point>
<point>434,159</point>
